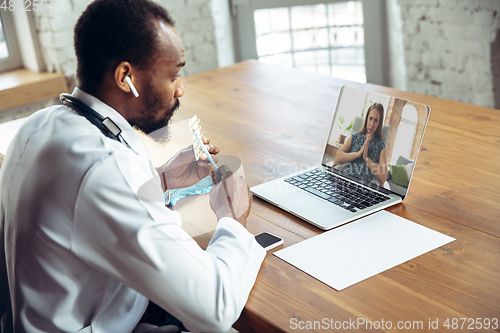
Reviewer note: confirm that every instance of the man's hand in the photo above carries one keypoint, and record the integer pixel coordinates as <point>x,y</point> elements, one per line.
<point>183,170</point>
<point>231,196</point>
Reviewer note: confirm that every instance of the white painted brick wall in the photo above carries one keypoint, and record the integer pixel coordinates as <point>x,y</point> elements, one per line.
<point>447,48</point>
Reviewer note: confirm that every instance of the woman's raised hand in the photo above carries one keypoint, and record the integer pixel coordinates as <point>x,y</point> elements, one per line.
<point>365,146</point>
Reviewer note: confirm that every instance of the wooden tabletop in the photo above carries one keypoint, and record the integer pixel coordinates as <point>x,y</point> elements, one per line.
<point>276,120</point>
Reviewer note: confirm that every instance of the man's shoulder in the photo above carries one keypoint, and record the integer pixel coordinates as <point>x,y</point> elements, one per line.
<point>57,118</point>
<point>60,138</point>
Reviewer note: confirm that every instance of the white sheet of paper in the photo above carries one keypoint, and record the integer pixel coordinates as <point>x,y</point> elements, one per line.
<point>354,252</point>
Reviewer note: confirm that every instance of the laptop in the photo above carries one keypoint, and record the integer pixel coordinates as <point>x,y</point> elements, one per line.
<point>345,187</point>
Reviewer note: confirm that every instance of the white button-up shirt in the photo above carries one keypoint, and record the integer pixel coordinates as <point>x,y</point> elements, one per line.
<point>84,253</point>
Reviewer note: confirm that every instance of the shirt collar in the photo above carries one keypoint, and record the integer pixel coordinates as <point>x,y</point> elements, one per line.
<point>105,110</point>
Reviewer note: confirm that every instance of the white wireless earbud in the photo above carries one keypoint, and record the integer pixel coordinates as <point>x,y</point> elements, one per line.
<point>131,85</point>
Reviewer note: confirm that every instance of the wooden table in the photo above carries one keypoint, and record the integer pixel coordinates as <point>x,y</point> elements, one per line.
<point>277,121</point>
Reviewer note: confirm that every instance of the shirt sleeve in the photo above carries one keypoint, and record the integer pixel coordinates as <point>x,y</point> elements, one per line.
<point>136,240</point>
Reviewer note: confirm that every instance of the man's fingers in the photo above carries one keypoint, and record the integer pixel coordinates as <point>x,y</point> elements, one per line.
<point>225,171</point>
<point>231,196</point>
<point>246,212</point>
<point>228,196</point>
<point>204,158</point>
<point>213,149</point>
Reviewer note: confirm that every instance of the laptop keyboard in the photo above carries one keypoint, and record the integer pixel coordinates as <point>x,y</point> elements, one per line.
<point>337,190</point>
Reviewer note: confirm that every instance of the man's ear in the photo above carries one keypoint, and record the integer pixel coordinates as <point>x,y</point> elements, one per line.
<point>123,70</point>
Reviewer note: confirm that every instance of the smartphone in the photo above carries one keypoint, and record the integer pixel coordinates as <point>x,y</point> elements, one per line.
<point>268,241</point>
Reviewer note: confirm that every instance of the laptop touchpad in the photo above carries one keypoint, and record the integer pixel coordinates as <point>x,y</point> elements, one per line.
<point>299,201</point>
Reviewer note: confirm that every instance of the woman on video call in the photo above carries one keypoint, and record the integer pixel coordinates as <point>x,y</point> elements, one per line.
<point>365,151</point>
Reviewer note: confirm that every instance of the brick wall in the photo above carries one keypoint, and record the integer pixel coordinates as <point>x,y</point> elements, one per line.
<point>195,24</point>
<point>446,47</point>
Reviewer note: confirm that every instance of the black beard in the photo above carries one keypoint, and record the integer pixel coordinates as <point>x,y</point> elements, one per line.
<point>159,132</point>
<point>146,122</point>
<point>156,130</point>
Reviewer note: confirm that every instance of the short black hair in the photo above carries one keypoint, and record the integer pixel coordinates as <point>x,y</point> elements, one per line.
<point>111,31</point>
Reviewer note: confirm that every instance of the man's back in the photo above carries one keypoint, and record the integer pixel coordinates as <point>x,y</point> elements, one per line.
<point>40,181</point>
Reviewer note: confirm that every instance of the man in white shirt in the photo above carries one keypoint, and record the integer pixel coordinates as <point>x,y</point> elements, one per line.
<point>82,251</point>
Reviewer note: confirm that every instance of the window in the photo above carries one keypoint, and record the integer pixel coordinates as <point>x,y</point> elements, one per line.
<point>406,133</point>
<point>9,53</point>
<point>4,49</point>
<point>323,38</point>
<point>341,38</point>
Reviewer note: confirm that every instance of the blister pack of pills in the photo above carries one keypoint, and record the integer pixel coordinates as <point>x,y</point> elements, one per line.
<point>194,127</point>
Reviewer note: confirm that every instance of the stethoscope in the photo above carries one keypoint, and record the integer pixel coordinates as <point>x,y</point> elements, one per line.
<point>106,125</point>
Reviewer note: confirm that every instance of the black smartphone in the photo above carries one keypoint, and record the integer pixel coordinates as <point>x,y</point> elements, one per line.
<point>268,241</point>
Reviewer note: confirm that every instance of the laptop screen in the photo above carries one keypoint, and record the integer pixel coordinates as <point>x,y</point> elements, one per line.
<point>376,138</point>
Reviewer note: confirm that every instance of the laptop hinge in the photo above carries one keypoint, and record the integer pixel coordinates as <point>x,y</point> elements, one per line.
<point>358,181</point>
